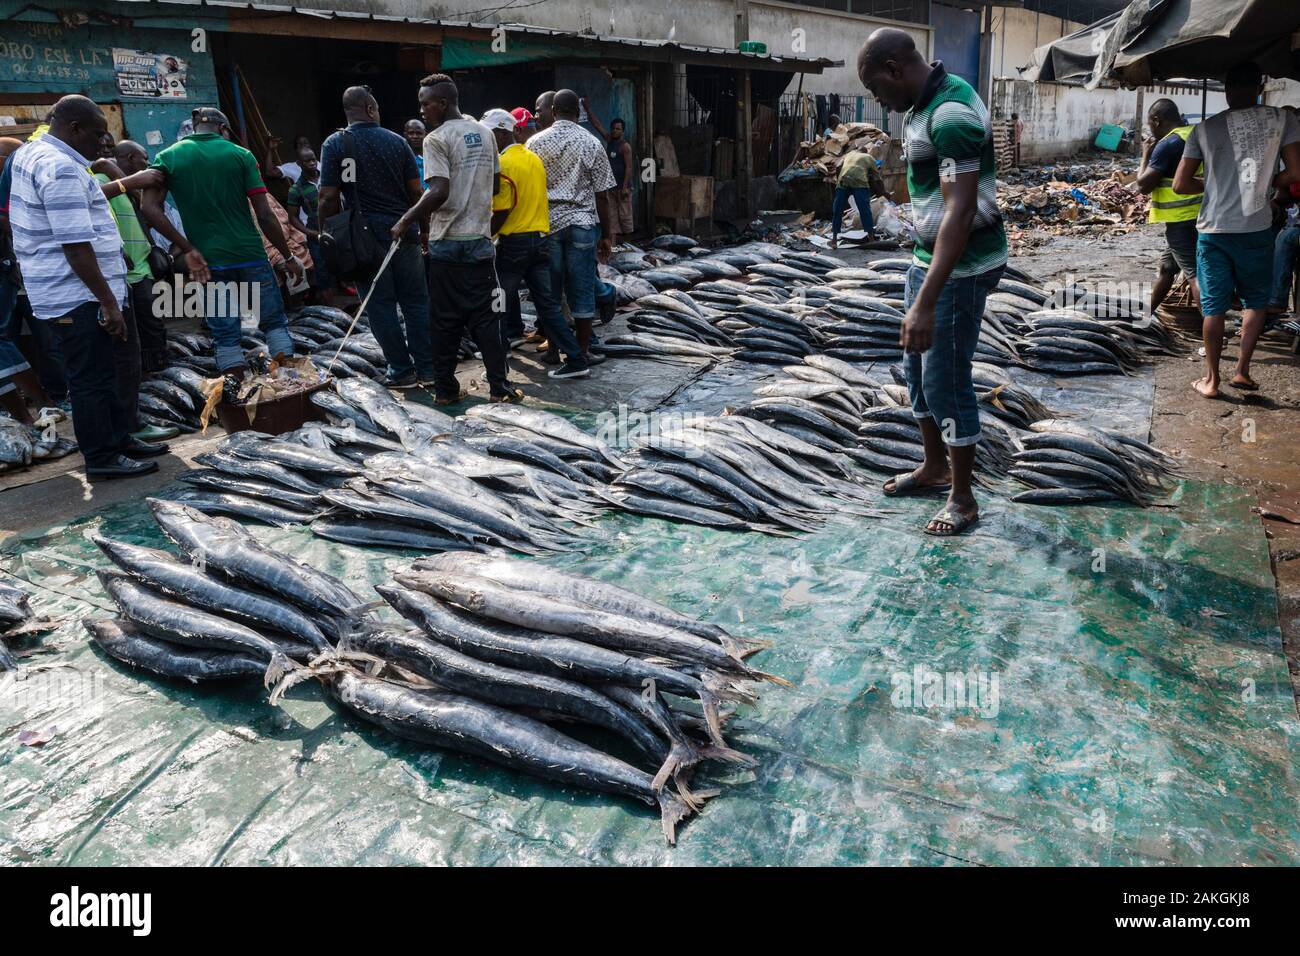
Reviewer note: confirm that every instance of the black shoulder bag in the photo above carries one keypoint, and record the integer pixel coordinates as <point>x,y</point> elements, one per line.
<point>347,242</point>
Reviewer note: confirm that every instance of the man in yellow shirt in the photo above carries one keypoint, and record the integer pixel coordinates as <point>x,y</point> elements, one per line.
<point>521,223</point>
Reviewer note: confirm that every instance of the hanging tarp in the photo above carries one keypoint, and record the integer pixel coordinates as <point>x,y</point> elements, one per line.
<point>1152,40</point>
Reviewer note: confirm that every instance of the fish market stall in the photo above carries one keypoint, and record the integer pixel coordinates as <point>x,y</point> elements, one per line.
<point>1066,685</point>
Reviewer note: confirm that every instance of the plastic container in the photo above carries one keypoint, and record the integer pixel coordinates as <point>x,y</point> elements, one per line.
<point>1109,137</point>
<point>276,416</point>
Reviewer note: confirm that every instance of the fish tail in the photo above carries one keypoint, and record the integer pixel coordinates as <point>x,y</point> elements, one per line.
<point>712,722</point>
<point>671,765</point>
<point>283,673</point>
<point>742,647</point>
<point>763,675</point>
<point>672,811</point>
<point>726,755</point>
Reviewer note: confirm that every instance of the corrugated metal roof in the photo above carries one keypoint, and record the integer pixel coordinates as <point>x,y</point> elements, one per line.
<point>760,61</point>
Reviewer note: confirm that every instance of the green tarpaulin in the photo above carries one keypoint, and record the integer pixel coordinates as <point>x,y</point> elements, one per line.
<point>1143,711</point>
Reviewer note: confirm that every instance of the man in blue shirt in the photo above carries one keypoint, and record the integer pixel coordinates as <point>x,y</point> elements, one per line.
<point>376,174</point>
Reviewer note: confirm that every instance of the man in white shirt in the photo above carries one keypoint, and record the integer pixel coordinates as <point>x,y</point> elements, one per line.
<point>579,187</point>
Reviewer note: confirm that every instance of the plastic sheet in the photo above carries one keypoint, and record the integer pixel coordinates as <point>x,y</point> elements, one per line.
<point>1144,711</point>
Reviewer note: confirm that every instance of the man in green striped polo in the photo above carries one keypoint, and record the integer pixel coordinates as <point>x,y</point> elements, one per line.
<point>960,253</point>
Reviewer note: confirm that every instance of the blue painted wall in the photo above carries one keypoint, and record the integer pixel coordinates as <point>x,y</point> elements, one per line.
<point>40,55</point>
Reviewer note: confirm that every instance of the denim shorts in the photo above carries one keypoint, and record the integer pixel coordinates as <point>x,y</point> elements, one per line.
<point>1240,262</point>
<point>939,379</point>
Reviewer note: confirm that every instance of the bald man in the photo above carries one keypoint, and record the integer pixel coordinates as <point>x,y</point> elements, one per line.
<point>544,110</point>
<point>70,253</point>
<point>959,256</point>
<point>386,183</point>
<point>1161,153</point>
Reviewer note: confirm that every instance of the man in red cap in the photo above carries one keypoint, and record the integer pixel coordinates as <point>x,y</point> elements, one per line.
<point>525,125</point>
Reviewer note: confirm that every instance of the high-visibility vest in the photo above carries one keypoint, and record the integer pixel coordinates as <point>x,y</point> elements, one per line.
<point>1169,206</point>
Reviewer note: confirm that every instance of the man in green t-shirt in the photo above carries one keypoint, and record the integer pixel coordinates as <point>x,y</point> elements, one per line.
<point>960,252</point>
<point>213,182</point>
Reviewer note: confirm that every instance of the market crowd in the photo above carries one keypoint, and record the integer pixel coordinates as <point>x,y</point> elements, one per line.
<point>437,228</point>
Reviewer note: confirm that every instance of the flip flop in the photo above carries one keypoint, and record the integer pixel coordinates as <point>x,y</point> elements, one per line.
<point>959,523</point>
<point>451,401</point>
<point>905,486</point>
<point>1244,386</point>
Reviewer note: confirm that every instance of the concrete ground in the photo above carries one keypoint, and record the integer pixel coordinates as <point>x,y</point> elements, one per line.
<point>1243,439</point>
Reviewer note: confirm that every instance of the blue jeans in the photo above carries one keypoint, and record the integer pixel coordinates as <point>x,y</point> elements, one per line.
<point>939,379</point>
<point>98,417</point>
<point>224,320</point>
<point>526,257</point>
<point>573,268</point>
<point>402,284</point>
<point>861,198</point>
<point>1284,253</point>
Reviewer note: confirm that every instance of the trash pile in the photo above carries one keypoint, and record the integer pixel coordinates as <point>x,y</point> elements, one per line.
<point>1092,198</point>
<point>500,655</point>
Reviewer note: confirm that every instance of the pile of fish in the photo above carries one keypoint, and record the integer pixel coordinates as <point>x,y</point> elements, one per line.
<point>1067,462</point>
<point>532,647</point>
<point>1069,342</point>
<point>15,618</point>
<point>228,603</point>
<point>737,472</point>
<point>761,303</point>
<point>498,653</point>
<point>21,444</point>
<point>399,474</point>
<point>318,331</point>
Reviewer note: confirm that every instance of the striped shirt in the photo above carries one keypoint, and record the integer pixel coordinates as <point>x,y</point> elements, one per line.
<point>55,202</point>
<point>946,134</point>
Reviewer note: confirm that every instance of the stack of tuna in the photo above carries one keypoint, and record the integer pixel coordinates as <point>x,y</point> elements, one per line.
<point>1070,463</point>
<point>1069,342</point>
<point>500,652</point>
<point>509,644</point>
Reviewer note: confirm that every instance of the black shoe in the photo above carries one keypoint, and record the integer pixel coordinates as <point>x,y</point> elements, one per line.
<point>551,357</point>
<point>409,380</point>
<point>573,368</point>
<point>136,449</point>
<point>122,468</point>
<point>513,397</point>
<point>591,358</point>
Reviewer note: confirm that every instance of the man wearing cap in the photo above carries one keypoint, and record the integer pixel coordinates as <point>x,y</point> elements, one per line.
<point>521,223</point>
<point>525,124</point>
<point>214,182</point>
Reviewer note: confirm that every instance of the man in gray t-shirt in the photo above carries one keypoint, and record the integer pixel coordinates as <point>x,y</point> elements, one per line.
<point>1241,149</point>
<point>461,172</point>
<point>469,149</point>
